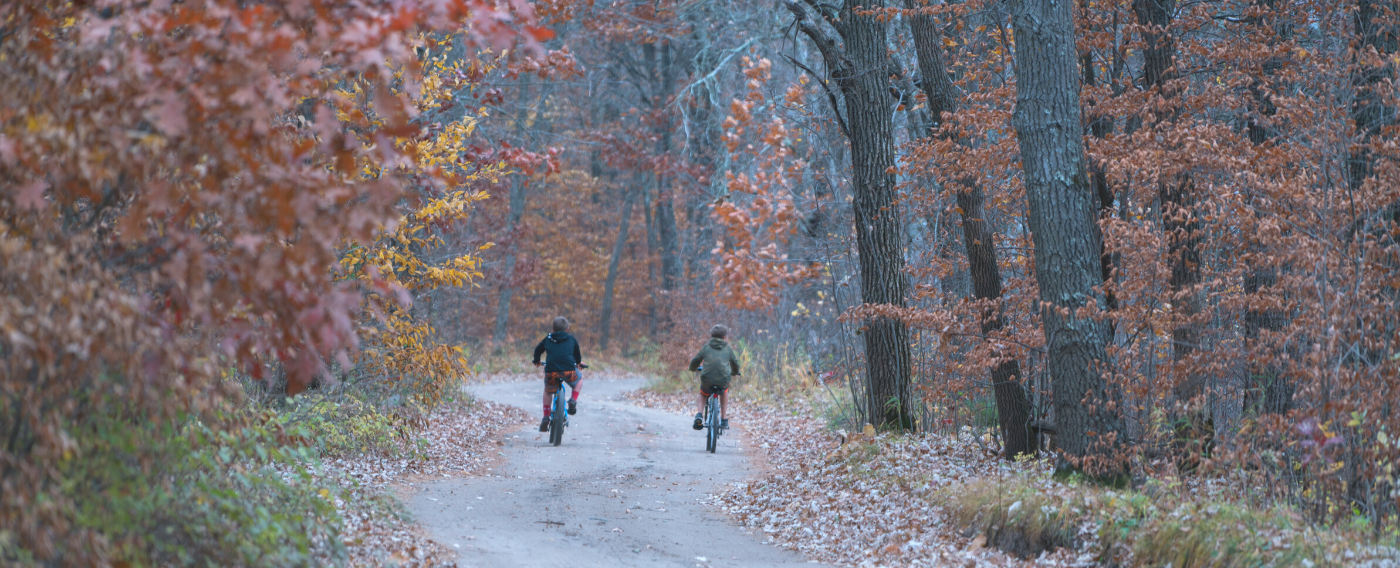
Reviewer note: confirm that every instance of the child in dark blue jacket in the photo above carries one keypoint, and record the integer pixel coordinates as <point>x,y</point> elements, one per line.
<point>561,366</point>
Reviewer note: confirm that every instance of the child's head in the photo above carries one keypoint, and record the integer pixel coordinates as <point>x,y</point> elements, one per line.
<point>719,331</point>
<point>561,324</point>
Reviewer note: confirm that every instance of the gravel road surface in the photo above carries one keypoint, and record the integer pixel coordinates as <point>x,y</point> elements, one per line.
<point>627,488</point>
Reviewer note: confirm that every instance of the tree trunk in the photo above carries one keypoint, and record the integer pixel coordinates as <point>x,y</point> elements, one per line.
<point>664,77</point>
<point>1013,408</point>
<point>879,229</point>
<point>1179,222</point>
<point>1376,29</point>
<point>1068,267</point>
<point>1100,126</point>
<point>861,69</point>
<point>605,326</point>
<point>517,209</point>
<point>1266,390</point>
<point>1181,228</point>
<point>651,265</point>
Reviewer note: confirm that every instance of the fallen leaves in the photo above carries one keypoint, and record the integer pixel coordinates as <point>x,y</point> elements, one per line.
<point>459,441</point>
<point>859,499</point>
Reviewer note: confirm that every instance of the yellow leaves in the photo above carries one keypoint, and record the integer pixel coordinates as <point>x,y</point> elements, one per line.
<point>445,148</point>
<point>950,42</point>
<point>36,123</point>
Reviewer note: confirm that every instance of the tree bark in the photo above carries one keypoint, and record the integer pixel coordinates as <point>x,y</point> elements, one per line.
<point>1181,228</point>
<point>1068,266</point>
<point>1100,126</point>
<point>663,72</point>
<point>651,265</point>
<point>517,209</point>
<point>1013,407</point>
<point>1179,222</point>
<point>1266,390</point>
<point>605,326</point>
<point>860,69</point>
<point>1376,29</point>
<point>503,298</point>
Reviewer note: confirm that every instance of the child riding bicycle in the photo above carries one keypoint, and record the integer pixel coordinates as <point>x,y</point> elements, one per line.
<point>719,363</point>
<point>561,366</point>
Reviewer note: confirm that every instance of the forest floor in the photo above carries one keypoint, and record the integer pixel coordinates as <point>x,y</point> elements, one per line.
<point>939,499</point>
<point>459,441</point>
<point>632,486</point>
<point>840,516</point>
<point>629,486</point>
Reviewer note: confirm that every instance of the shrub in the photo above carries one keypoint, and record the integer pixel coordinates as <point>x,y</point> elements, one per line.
<point>346,423</point>
<point>180,492</point>
<point>1015,517</point>
<point>1162,525</point>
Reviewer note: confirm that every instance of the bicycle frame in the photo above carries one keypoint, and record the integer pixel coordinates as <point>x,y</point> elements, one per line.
<point>558,418</point>
<point>712,418</point>
<point>712,422</point>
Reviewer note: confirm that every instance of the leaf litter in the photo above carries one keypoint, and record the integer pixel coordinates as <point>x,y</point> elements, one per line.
<point>459,441</point>
<point>864,499</point>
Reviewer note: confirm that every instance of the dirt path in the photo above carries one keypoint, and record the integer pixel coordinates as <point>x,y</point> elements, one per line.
<point>627,488</point>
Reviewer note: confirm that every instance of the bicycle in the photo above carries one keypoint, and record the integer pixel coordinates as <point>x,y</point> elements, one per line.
<point>558,418</point>
<point>713,423</point>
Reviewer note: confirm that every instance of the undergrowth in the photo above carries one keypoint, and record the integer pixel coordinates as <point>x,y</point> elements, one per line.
<point>183,492</point>
<point>1160,526</point>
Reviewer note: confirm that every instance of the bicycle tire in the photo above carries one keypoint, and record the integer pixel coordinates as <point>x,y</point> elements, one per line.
<point>712,437</point>
<point>556,426</point>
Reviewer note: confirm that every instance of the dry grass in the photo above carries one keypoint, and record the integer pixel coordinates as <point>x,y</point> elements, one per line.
<point>1157,527</point>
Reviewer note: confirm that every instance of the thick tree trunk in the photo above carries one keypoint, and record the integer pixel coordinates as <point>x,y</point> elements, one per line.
<point>1179,222</point>
<point>1100,126</point>
<point>1181,228</point>
<point>861,68</point>
<point>605,326</point>
<point>1266,390</point>
<point>1376,30</point>
<point>517,209</point>
<point>1013,407</point>
<point>667,234</point>
<point>1377,24</point>
<point>503,298</point>
<point>1062,223</point>
<point>664,76</point>
<point>879,229</point>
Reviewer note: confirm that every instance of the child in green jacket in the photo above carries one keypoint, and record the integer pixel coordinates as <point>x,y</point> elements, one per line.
<point>719,364</point>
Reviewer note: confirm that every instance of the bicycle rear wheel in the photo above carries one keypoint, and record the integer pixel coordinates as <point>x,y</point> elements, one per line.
<point>712,420</point>
<point>556,415</point>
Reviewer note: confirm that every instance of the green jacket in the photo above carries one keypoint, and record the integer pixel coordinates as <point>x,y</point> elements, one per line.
<point>719,361</point>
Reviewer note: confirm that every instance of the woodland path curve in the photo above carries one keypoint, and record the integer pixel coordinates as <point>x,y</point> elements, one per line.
<point>627,488</point>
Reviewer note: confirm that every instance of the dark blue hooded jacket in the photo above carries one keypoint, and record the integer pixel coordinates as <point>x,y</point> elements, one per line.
<point>563,352</point>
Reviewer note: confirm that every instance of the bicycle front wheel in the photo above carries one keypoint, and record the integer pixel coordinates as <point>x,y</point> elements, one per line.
<point>712,436</point>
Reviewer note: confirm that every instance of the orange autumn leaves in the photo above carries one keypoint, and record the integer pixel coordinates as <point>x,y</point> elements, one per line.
<point>757,216</point>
